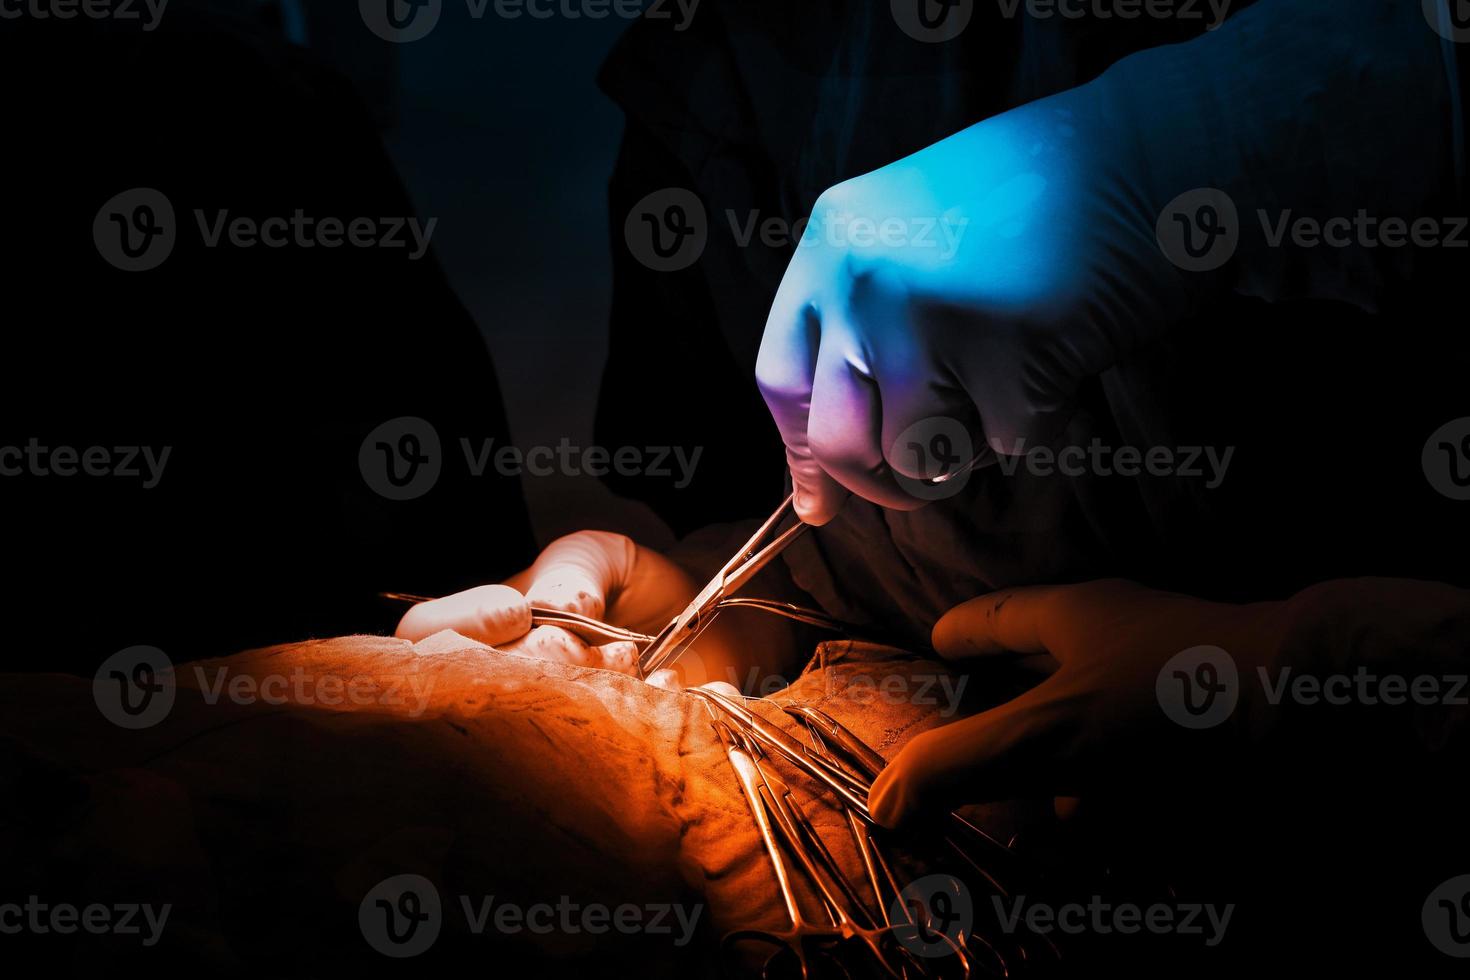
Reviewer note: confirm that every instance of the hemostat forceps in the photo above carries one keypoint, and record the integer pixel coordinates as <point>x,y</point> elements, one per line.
<point>983,853</point>
<point>852,791</point>
<point>777,815</point>
<point>685,628</point>
<point>584,626</point>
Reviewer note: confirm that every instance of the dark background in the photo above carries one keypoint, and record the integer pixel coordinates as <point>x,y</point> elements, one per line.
<point>264,369</point>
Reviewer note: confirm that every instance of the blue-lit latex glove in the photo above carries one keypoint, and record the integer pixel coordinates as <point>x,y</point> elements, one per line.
<point>984,278</point>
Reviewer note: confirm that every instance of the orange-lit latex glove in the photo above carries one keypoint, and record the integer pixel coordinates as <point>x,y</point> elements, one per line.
<point>1125,659</point>
<point>594,573</point>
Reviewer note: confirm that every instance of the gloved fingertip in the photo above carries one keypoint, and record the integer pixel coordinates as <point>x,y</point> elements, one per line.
<point>555,644</point>
<point>491,614</point>
<point>621,656</point>
<point>723,688</point>
<point>501,614</point>
<point>666,679</point>
<point>883,805</point>
<point>814,508</point>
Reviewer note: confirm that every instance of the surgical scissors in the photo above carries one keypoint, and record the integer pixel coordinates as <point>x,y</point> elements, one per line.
<point>670,643</point>
<point>601,632</point>
<point>695,618</point>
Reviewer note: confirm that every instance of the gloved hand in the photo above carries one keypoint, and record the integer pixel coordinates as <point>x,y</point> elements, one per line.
<point>984,278</point>
<point>609,577</point>
<point>1130,696</point>
<point>594,573</point>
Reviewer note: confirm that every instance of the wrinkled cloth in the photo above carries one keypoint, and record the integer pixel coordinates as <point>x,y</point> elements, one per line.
<point>265,823</point>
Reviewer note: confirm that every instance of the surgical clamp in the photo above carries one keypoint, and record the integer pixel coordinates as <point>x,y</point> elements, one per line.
<point>695,618</point>
<point>774,808</point>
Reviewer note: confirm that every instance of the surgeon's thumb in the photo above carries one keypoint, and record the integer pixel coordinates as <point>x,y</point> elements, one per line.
<point>1010,752</point>
<point>818,497</point>
<point>784,376</point>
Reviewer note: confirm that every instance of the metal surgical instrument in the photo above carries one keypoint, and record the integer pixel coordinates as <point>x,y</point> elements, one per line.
<point>775,809</point>
<point>664,649</point>
<point>685,628</point>
<point>963,837</point>
<point>796,941</point>
<point>584,626</point>
<point>850,789</point>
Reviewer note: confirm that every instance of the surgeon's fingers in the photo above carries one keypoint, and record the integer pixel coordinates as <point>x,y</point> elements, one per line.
<point>666,679</point>
<point>577,572</point>
<point>845,423</point>
<point>1061,620</point>
<point>1022,406</point>
<point>929,425</point>
<point>1024,749</point>
<point>492,614</point>
<point>1008,621</point>
<point>929,430</point>
<point>621,656</point>
<point>784,372</point>
<point>555,644</point>
<point>561,646</point>
<point>570,590</point>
